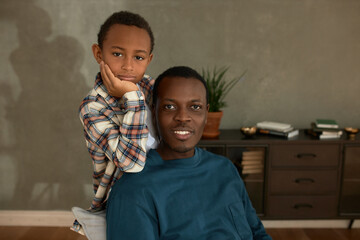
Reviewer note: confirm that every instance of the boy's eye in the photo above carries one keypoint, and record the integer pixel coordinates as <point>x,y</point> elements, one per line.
<point>139,58</point>
<point>117,54</point>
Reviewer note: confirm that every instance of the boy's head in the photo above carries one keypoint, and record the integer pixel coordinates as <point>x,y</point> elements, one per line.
<point>125,44</point>
<point>179,111</point>
<point>125,18</point>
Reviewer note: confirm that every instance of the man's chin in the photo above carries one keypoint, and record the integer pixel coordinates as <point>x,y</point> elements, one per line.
<point>183,149</point>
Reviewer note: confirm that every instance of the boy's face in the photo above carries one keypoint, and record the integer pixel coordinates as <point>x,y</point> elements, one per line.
<point>180,115</point>
<point>126,50</point>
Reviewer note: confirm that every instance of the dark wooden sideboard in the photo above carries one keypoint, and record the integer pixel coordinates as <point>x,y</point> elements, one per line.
<point>301,178</point>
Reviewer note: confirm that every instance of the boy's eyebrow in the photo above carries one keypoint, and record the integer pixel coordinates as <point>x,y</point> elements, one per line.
<point>123,49</point>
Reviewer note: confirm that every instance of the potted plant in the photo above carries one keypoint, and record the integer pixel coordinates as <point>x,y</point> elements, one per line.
<point>218,87</point>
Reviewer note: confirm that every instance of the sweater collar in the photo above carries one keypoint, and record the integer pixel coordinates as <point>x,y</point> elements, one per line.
<point>175,163</point>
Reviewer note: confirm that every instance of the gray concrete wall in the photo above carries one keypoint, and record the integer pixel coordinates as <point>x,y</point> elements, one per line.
<point>302,59</point>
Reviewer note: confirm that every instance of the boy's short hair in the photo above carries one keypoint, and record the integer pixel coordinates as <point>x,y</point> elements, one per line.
<point>125,18</point>
<point>179,71</point>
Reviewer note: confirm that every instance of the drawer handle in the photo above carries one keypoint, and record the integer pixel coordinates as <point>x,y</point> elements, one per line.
<point>302,205</point>
<point>304,180</point>
<point>306,155</point>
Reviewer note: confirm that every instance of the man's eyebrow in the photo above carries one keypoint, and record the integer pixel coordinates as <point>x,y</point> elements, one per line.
<point>174,100</point>
<point>123,49</point>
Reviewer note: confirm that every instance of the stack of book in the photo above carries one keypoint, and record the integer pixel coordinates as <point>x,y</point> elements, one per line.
<point>277,129</point>
<point>326,129</point>
<point>252,162</point>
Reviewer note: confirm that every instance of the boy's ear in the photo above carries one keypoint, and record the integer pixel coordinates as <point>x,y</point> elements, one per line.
<point>149,59</point>
<point>97,53</point>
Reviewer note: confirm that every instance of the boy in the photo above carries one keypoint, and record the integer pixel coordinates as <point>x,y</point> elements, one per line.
<point>114,114</point>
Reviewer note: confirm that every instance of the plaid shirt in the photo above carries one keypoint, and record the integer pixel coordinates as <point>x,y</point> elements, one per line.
<point>116,134</point>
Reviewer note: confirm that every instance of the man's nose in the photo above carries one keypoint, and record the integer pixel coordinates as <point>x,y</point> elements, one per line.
<point>182,115</point>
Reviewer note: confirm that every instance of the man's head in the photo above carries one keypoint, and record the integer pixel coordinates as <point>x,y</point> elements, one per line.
<point>179,111</point>
<point>125,43</point>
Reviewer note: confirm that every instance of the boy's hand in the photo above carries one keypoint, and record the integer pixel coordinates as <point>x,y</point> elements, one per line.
<point>115,86</point>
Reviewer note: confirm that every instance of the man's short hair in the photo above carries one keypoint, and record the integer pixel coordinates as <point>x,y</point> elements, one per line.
<point>178,71</point>
<point>125,18</point>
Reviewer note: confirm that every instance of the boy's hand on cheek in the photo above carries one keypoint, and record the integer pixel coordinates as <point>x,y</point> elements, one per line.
<point>115,86</point>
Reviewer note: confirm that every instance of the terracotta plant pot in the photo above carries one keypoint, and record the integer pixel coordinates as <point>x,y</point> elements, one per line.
<point>211,129</point>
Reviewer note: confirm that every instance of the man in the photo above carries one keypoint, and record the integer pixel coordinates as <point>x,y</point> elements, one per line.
<point>183,192</point>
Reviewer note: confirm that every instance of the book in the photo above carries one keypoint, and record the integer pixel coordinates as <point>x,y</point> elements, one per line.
<point>252,162</point>
<point>252,171</point>
<point>280,127</point>
<point>253,155</point>
<point>253,167</point>
<point>325,133</point>
<point>320,130</point>
<point>290,134</point>
<point>326,123</point>
<point>321,136</point>
<point>330,135</point>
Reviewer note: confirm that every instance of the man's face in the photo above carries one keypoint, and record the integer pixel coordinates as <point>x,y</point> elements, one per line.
<point>180,116</point>
<point>126,49</point>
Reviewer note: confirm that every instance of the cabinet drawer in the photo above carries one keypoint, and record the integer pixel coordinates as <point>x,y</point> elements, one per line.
<point>304,155</point>
<point>303,182</point>
<point>302,207</point>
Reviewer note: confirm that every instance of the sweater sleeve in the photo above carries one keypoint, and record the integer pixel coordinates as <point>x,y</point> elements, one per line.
<point>256,226</point>
<point>131,216</point>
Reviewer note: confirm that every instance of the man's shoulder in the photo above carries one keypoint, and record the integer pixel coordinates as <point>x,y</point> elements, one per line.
<point>212,156</point>
<point>216,161</point>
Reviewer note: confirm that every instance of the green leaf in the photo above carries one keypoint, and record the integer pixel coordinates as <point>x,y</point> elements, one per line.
<point>218,86</point>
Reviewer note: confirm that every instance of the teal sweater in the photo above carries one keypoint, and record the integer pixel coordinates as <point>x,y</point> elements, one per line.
<point>202,197</point>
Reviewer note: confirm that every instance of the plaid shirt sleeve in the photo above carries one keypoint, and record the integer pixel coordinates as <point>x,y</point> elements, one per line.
<point>146,85</point>
<point>118,133</point>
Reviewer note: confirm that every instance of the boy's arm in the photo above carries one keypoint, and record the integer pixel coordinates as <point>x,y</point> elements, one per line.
<point>146,85</point>
<point>123,141</point>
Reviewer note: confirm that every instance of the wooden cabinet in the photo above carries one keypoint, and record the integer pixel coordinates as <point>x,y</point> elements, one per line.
<point>301,178</point>
<point>350,191</point>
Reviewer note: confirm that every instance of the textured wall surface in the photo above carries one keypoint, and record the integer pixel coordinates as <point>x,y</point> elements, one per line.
<point>302,60</point>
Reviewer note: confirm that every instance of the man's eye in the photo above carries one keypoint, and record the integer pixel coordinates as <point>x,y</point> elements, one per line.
<point>169,107</point>
<point>139,58</point>
<point>116,54</point>
<point>196,107</point>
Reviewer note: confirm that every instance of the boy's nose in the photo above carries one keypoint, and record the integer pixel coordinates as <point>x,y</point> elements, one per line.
<point>127,64</point>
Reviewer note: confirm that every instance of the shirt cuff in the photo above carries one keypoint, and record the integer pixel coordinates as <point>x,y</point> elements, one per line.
<point>133,98</point>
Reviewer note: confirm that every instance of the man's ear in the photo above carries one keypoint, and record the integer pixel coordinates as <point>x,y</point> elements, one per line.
<point>207,111</point>
<point>97,53</point>
<point>154,123</point>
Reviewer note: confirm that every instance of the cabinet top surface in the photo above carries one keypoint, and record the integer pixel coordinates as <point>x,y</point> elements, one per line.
<point>234,136</point>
